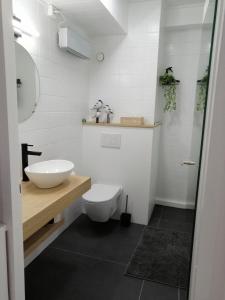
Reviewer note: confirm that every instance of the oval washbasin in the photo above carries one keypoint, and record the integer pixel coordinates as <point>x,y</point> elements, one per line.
<point>50,173</point>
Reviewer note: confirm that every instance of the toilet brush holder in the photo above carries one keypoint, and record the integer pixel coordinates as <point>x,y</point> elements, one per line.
<point>125,218</point>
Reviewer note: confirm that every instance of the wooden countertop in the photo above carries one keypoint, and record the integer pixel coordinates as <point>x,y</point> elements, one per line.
<point>89,123</point>
<point>42,205</point>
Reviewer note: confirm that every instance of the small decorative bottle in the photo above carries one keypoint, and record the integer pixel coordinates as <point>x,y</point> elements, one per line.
<point>98,113</point>
<point>108,112</point>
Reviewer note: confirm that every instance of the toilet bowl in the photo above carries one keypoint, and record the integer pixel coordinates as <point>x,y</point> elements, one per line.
<point>101,201</point>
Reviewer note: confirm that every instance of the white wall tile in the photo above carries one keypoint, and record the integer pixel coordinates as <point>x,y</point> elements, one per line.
<point>183,51</point>
<point>127,78</point>
<point>128,166</point>
<point>55,127</point>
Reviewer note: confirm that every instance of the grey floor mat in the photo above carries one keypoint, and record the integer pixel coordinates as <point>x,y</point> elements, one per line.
<point>162,256</point>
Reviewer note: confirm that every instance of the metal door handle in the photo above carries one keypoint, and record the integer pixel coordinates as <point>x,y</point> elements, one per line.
<point>188,162</point>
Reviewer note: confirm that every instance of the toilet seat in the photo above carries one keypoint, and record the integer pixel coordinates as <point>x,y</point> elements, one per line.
<point>102,193</point>
<point>101,201</point>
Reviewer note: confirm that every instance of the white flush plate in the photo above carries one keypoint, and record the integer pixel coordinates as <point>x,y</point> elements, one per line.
<point>111,140</point>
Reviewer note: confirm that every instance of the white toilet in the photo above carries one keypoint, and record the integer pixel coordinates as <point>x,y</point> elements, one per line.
<point>101,201</point>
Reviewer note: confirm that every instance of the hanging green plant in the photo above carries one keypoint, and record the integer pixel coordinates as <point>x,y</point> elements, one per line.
<point>202,91</point>
<point>169,83</point>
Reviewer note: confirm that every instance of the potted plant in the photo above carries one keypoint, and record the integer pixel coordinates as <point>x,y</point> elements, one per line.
<point>202,91</point>
<point>169,83</point>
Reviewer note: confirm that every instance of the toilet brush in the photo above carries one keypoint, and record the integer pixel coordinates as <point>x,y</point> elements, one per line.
<point>125,218</point>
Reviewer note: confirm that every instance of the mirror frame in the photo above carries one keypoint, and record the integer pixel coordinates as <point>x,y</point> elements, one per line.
<point>37,98</point>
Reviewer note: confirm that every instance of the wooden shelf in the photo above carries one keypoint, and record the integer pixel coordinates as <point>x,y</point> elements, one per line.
<point>42,205</point>
<point>40,236</point>
<point>89,123</point>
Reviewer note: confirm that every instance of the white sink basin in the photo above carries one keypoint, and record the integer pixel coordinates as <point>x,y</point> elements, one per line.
<point>50,173</point>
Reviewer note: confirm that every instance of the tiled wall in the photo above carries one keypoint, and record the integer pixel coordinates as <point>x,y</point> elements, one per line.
<point>129,166</point>
<point>182,51</point>
<point>185,14</point>
<point>126,79</point>
<point>55,127</point>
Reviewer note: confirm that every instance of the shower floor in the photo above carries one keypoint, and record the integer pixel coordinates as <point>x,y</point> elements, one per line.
<point>88,261</point>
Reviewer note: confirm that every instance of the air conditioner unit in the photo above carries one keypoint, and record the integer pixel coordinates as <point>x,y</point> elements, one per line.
<point>72,42</point>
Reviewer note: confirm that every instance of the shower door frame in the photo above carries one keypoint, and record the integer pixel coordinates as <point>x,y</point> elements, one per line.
<point>208,263</point>
<point>10,200</point>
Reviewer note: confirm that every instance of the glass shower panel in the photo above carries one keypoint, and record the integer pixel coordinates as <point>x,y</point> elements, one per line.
<point>187,49</point>
<point>201,95</point>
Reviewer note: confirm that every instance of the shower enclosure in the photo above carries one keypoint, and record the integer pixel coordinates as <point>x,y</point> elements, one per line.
<point>186,46</point>
<point>164,253</point>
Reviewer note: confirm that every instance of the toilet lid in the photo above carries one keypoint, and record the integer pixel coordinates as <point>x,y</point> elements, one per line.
<point>101,192</point>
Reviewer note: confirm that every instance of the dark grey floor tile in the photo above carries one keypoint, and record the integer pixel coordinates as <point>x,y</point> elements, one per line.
<point>108,241</point>
<point>178,215</point>
<point>183,295</point>
<point>176,226</point>
<point>61,275</point>
<point>154,223</point>
<point>157,211</point>
<point>155,291</point>
<point>156,215</point>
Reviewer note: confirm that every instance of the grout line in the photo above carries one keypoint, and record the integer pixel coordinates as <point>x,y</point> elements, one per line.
<point>92,257</point>
<point>160,217</point>
<point>158,224</point>
<point>178,294</point>
<point>135,248</point>
<point>142,285</point>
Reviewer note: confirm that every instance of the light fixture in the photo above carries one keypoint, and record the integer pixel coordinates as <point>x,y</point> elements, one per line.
<point>20,28</point>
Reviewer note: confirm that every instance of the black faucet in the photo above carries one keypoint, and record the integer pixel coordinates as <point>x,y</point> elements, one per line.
<point>25,153</point>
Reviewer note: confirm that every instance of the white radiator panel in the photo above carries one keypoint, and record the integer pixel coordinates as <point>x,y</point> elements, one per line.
<point>3,265</point>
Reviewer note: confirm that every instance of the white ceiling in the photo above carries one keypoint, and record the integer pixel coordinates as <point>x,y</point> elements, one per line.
<point>90,15</point>
<point>94,18</point>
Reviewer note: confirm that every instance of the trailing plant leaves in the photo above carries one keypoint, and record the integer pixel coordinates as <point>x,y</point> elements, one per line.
<point>167,79</point>
<point>170,97</point>
<point>168,83</point>
<point>202,90</point>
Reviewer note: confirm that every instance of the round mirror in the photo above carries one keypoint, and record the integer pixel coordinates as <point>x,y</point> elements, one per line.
<point>27,80</point>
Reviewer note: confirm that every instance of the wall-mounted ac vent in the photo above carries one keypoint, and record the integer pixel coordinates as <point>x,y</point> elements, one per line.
<point>72,42</point>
